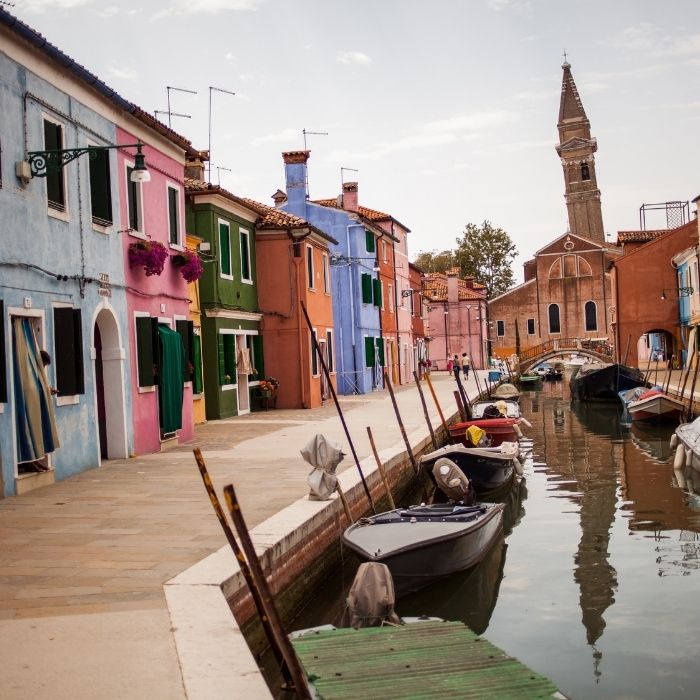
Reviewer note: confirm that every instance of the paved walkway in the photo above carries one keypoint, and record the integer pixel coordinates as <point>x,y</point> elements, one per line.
<point>83,561</point>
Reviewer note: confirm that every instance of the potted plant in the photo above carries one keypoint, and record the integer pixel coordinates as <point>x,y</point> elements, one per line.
<point>268,387</point>
<point>150,255</point>
<point>189,263</point>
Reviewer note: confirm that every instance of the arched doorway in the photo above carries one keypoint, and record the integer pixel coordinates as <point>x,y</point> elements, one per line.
<point>108,370</point>
<point>656,346</point>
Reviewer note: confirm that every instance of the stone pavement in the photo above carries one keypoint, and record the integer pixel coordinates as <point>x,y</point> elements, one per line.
<point>83,561</point>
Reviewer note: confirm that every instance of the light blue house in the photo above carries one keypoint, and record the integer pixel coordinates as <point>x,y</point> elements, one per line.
<point>686,264</point>
<point>355,285</point>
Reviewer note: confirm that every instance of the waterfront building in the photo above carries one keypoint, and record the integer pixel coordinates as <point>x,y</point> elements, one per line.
<point>199,414</point>
<point>65,287</point>
<point>566,291</point>
<point>417,306</point>
<point>356,290</point>
<point>456,318</point>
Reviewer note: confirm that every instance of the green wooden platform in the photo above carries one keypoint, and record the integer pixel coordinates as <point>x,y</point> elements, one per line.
<point>420,660</point>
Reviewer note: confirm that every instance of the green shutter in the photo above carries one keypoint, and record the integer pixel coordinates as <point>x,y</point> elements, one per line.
<point>197,383</point>
<point>222,361</point>
<point>173,211</point>
<point>245,255</point>
<point>380,350</point>
<point>369,352</point>
<point>100,190</point>
<point>3,369</point>
<point>377,292</point>
<point>225,248</point>
<point>144,351</point>
<point>370,244</point>
<point>186,331</point>
<point>366,288</point>
<point>230,358</point>
<point>258,356</point>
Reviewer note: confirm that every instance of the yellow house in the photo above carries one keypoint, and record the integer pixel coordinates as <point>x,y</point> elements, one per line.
<point>195,313</point>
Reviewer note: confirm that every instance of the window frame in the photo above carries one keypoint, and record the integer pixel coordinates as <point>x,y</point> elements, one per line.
<point>171,187</point>
<point>500,329</point>
<point>222,333</point>
<point>315,362</point>
<point>549,319</point>
<point>390,287</point>
<point>144,388</point>
<point>326,273</point>
<point>68,360</point>
<point>138,189</point>
<point>244,234</point>
<point>61,211</point>
<point>98,223</point>
<point>310,271</point>
<point>331,351</point>
<point>585,316</point>
<point>534,327</point>
<point>224,275</point>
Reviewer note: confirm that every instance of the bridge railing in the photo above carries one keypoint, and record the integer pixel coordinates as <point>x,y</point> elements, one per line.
<point>601,347</point>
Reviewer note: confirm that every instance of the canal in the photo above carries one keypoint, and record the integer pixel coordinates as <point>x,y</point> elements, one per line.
<point>596,582</point>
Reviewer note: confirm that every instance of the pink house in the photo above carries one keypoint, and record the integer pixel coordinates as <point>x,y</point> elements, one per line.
<point>160,335</point>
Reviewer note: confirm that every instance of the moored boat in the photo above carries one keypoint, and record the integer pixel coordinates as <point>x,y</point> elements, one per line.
<point>529,380</point>
<point>512,408</point>
<point>686,442</point>
<point>505,391</point>
<point>651,405</point>
<point>600,381</point>
<point>499,430</point>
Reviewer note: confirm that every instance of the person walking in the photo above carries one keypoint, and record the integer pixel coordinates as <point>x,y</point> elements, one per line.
<point>449,364</point>
<point>466,364</point>
<point>456,366</point>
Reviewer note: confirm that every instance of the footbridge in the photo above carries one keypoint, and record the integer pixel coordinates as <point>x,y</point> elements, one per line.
<point>596,349</point>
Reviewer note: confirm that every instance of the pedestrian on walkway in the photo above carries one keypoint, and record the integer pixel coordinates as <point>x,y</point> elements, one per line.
<point>456,366</point>
<point>449,364</point>
<point>466,364</point>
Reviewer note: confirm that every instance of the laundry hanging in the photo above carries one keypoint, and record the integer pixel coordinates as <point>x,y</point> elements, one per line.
<point>35,420</point>
<point>170,386</point>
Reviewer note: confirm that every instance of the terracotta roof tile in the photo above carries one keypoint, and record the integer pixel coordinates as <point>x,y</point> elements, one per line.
<point>639,236</point>
<point>435,288</point>
<point>365,212</point>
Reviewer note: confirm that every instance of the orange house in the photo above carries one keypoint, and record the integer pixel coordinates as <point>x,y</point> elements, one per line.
<point>293,267</point>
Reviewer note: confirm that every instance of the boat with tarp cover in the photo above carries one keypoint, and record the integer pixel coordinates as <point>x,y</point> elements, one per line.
<point>651,405</point>
<point>602,381</point>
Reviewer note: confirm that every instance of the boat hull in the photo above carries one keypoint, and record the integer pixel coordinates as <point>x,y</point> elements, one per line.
<point>434,554</point>
<point>598,382</point>
<point>500,430</point>
<point>655,409</point>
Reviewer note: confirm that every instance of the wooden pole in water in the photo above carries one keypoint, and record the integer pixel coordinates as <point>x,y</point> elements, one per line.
<point>627,349</point>
<point>648,372</point>
<point>681,394</point>
<point>439,409</point>
<point>319,354</point>
<point>243,564</point>
<point>380,466</point>
<point>460,406</point>
<point>692,388</point>
<point>465,399</point>
<point>425,409</point>
<point>344,501</point>
<point>411,456</point>
<point>285,645</point>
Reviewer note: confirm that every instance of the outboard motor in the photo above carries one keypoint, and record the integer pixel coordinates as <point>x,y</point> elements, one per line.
<point>370,602</point>
<point>452,481</point>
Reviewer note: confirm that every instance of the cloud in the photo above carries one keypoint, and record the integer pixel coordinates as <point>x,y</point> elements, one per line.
<point>279,137</point>
<point>646,36</point>
<point>121,72</point>
<point>229,56</point>
<point>686,45</point>
<point>41,5</point>
<point>356,58</point>
<point>208,7</point>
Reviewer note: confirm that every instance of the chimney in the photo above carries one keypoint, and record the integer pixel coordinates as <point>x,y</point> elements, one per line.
<point>279,198</point>
<point>453,285</point>
<point>194,165</point>
<point>350,196</point>
<point>295,173</point>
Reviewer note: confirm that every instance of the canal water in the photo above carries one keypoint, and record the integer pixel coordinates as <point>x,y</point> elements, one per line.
<point>596,583</point>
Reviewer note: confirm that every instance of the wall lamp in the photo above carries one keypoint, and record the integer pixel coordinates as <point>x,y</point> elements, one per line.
<point>338,259</point>
<point>43,163</point>
<point>408,292</point>
<point>682,292</point>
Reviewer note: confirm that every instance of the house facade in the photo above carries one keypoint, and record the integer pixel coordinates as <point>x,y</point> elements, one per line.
<point>417,305</point>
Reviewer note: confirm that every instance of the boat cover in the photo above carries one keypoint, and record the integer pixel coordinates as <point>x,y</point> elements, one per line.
<point>452,481</point>
<point>370,602</point>
<point>506,391</point>
<point>324,455</point>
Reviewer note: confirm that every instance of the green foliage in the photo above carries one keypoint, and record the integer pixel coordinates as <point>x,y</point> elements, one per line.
<point>487,253</point>
<point>435,262</point>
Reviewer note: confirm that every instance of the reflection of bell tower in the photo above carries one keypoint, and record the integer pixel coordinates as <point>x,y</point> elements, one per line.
<point>576,149</point>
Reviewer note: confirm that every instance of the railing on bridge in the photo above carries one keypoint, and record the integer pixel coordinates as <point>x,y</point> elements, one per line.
<point>600,347</point>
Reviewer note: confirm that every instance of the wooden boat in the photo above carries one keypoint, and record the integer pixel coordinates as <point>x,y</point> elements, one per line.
<point>421,544</point>
<point>554,374</point>
<point>686,442</point>
<point>499,430</point>
<point>529,380</point>
<point>651,405</point>
<point>600,381</point>
<point>512,408</point>
<point>505,391</point>
<point>490,470</point>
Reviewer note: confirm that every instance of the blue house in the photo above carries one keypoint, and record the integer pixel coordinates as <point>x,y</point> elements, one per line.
<point>355,282</point>
<point>686,264</point>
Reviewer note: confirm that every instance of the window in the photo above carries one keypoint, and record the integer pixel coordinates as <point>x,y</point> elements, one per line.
<point>366,288</point>
<point>227,359</point>
<point>531,326</point>
<point>554,324</point>
<point>146,350</point>
<point>257,357</point>
<point>314,356</point>
<point>245,255</point>
<point>377,292</point>
<point>55,184</point>
<point>225,249</point>
<point>100,188</point>
<point>326,275</point>
<point>391,298</point>
<point>370,244</point>
<point>197,379</point>
<point>3,369</point>
<point>380,350</point>
<point>590,313</point>
<point>186,330</point>
<point>68,347</point>
<point>384,258</point>
<point>500,328</point>
<point>134,202</point>
<point>585,174</point>
<point>174,215</point>
<point>329,348</point>
<point>310,266</point>
<point>369,351</point>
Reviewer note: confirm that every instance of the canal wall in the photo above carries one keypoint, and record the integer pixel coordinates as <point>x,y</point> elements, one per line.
<point>298,548</point>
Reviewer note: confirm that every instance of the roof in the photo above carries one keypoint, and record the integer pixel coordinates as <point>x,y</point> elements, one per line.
<point>570,106</point>
<point>373,215</point>
<point>268,217</point>
<point>435,288</point>
<point>53,53</point>
<point>640,236</point>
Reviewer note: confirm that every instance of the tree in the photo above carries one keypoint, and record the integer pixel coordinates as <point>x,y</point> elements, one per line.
<point>486,253</point>
<point>435,262</point>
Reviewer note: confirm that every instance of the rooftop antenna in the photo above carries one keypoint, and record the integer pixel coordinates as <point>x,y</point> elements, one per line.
<point>342,181</point>
<point>170,113</point>
<point>211,90</point>
<point>219,168</point>
<point>311,133</point>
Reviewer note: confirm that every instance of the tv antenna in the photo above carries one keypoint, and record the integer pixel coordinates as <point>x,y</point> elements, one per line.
<point>219,168</point>
<point>306,133</point>
<point>169,111</point>
<point>342,180</point>
<point>211,90</point>
<point>170,114</point>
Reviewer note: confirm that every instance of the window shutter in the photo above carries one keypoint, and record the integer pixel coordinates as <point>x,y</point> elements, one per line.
<point>366,288</point>
<point>370,244</point>
<point>100,191</point>
<point>53,140</point>
<point>186,331</point>
<point>369,352</point>
<point>245,255</point>
<point>173,211</point>
<point>377,292</point>
<point>132,193</point>
<point>258,357</point>
<point>144,351</point>
<point>222,361</point>
<point>380,350</point>
<point>3,369</point>
<point>197,383</point>
<point>225,248</point>
<point>68,343</point>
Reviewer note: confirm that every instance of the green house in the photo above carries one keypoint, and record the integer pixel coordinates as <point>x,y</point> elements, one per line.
<point>232,352</point>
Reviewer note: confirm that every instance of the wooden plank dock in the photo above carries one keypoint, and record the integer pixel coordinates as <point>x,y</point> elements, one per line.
<point>431,659</point>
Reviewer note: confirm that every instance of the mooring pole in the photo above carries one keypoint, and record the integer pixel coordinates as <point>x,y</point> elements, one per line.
<point>380,466</point>
<point>425,409</point>
<point>465,399</point>
<point>317,350</point>
<point>437,405</point>
<point>411,456</point>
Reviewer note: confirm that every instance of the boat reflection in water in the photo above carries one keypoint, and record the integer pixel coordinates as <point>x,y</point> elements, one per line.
<point>652,440</point>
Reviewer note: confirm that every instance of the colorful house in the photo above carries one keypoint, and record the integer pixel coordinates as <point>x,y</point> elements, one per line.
<point>418,311</point>
<point>232,345</point>
<point>192,244</point>
<point>356,288</point>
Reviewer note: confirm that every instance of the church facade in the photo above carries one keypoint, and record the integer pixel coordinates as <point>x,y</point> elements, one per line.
<point>567,292</point>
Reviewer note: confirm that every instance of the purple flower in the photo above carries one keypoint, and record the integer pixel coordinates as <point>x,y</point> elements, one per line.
<point>190,265</point>
<point>150,255</point>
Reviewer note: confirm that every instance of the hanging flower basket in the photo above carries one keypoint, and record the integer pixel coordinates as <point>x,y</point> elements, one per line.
<point>190,265</point>
<point>150,255</point>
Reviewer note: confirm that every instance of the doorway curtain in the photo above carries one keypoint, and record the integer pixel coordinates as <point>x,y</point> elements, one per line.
<point>171,379</point>
<point>35,420</point>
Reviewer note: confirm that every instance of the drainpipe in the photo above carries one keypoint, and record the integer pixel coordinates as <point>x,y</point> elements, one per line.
<point>300,324</point>
<point>396,303</point>
<point>352,303</point>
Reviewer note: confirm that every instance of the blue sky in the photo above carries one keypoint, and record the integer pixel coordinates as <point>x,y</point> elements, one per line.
<point>447,109</point>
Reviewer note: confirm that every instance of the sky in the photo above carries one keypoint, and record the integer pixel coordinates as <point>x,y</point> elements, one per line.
<point>445,110</point>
